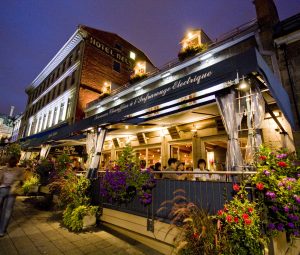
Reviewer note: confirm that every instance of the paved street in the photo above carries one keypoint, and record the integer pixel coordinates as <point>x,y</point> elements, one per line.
<point>34,231</point>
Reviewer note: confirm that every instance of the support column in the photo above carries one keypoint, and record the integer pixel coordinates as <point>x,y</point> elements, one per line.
<point>197,153</point>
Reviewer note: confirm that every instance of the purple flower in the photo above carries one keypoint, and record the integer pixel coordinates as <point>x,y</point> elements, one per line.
<point>280,156</point>
<point>274,208</point>
<point>286,208</point>
<point>291,225</point>
<point>297,199</point>
<point>296,233</point>
<point>271,195</point>
<point>293,217</point>
<point>266,172</point>
<point>280,227</point>
<point>271,226</point>
<point>298,175</point>
<point>280,184</point>
<point>289,187</point>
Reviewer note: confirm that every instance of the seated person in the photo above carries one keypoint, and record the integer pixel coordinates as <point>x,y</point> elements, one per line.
<point>201,167</point>
<point>172,166</point>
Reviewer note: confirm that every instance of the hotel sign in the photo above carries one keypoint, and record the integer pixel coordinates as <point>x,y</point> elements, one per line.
<point>116,54</point>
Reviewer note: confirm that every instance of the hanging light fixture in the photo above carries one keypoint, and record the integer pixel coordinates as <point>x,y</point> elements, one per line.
<point>243,85</point>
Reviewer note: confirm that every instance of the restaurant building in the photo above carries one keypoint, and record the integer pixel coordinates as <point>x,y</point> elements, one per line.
<point>191,109</point>
<point>220,104</point>
<point>88,67</point>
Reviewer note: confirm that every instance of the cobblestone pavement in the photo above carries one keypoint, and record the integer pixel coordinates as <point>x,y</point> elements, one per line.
<point>32,231</point>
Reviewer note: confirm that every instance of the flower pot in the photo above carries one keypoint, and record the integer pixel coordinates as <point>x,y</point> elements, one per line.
<point>56,199</point>
<point>89,220</point>
<point>34,189</point>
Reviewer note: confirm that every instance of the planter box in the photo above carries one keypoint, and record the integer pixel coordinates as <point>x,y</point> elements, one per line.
<point>89,221</point>
<point>281,246</point>
<point>34,189</point>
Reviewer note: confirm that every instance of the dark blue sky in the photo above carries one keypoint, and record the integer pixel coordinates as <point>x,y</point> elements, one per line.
<point>32,31</point>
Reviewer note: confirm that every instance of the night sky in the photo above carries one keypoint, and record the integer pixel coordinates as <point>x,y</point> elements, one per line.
<point>32,31</point>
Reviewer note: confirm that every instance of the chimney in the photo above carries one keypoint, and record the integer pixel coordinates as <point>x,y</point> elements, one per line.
<point>267,18</point>
<point>12,108</point>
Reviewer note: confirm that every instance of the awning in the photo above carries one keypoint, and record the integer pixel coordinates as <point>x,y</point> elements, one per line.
<point>278,92</point>
<point>201,80</point>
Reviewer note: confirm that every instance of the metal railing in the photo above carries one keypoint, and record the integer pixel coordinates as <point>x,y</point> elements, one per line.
<point>209,195</point>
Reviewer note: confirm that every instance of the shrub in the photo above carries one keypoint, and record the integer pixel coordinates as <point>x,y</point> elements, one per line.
<point>191,51</point>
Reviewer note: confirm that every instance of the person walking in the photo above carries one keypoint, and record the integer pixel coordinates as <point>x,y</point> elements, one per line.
<point>10,178</point>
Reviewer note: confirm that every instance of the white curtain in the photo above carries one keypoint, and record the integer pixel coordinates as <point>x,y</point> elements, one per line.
<point>91,140</point>
<point>231,117</point>
<point>255,117</point>
<point>45,151</point>
<point>99,145</point>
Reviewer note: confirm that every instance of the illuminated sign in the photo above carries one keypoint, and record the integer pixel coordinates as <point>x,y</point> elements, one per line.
<point>110,51</point>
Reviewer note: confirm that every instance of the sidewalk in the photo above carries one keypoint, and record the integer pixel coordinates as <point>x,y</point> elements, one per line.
<point>33,231</point>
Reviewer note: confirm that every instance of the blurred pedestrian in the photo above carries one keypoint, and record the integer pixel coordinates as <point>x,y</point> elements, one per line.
<point>11,177</point>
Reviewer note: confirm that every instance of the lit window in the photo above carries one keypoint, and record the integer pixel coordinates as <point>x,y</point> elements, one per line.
<point>132,55</point>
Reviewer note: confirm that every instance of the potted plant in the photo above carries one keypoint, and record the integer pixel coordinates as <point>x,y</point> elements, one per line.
<point>31,185</point>
<point>79,213</point>
<point>191,51</point>
<point>44,169</point>
<point>137,77</point>
<point>127,181</point>
<point>277,184</point>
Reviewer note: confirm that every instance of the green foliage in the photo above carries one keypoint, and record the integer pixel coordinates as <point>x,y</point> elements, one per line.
<point>74,195</point>
<point>196,228</point>
<point>44,169</point>
<point>137,78</point>
<point>73,216</point>
<point>14,149</point>
<point>239,227</point>
<point>278,189</point>
<point>191,51</point>
<point>63,162</point>
<point>127,180</point>
<point>30,183</point>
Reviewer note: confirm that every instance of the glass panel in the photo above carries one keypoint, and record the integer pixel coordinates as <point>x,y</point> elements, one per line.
<point>105,160</point>
<point>183,152</point>
<point>154,156</point>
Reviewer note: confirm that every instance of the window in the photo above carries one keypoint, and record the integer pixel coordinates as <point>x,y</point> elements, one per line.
<point>54,116</point>
<point>73,78</point>
<point>65,85</point>
<point>49,119</point>
<point>132,55</point>
<point>40,124</point>
<point>44,122</point>
<point>117,66</point>
<point>68,115</point>
<point>61,112</point>
<point>118,46</point>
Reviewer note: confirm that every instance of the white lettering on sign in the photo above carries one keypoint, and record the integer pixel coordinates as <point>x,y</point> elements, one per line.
<point>109,51</point>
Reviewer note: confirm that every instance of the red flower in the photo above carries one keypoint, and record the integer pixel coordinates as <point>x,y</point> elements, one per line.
<point>229,218</point>
<point>262,157</point>
<point>220,212</point>
<point>245,216</point>
<point>236,187</point>
<point>282,164</point>
<point>236,219</point>
<point>248,221</point>
<point>250,209</point>
<point>196,235</point>
<point>260,186</point>
<point>225,209</point>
